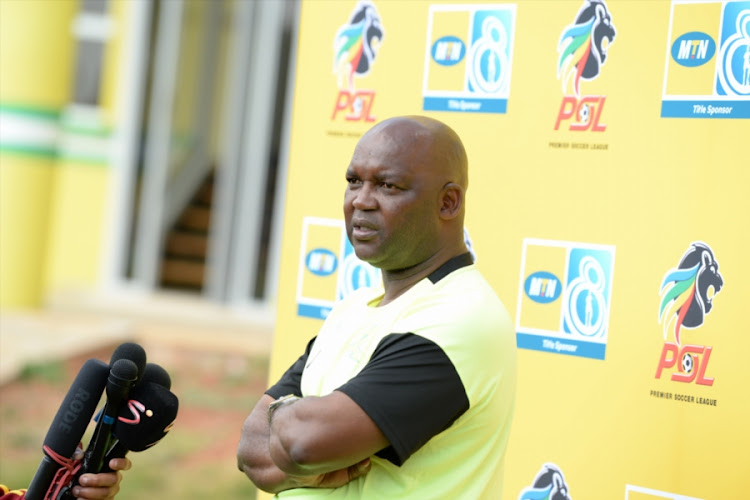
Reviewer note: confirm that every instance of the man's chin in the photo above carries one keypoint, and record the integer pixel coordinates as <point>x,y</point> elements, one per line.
<point>366,252</point>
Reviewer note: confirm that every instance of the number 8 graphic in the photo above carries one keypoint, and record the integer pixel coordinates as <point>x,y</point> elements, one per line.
<point>490,50</point>
<point>590,282</point>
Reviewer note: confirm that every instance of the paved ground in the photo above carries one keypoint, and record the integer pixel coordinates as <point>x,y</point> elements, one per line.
<point>64,330</point>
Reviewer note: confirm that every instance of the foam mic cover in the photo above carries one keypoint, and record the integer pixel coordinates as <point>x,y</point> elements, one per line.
<point>122,376</point>
<point>133,352</point>
<point>157,375</point>
<point>70,423</point>
<point>146,418</point>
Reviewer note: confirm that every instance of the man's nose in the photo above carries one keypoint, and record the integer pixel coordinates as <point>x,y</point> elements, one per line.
<point>364,198</point>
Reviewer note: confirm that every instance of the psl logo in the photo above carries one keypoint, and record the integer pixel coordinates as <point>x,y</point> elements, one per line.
<point>354,49</point>
<point>687,297</point>
<point>549,484</point>
<point>583,49</point>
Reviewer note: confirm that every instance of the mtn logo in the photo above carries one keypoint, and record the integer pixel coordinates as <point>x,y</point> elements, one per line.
<point>693,49</point>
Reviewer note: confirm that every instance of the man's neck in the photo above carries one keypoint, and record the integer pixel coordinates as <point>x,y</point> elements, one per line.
<point>398,282</point>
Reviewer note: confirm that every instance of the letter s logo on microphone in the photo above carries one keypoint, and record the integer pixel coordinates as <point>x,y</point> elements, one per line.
<point>146,417</point>
<point>135,407</point>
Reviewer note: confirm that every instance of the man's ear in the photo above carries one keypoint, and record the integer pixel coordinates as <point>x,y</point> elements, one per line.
<point>451,200</point>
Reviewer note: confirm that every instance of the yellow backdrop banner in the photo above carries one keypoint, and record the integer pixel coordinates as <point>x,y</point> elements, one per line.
<point>608,207</point>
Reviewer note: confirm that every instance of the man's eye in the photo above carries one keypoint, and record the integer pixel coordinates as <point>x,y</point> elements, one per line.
<point>352,180</point>
<point>388,185</point>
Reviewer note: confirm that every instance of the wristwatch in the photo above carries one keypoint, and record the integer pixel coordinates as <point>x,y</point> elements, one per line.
<point>276,403</point>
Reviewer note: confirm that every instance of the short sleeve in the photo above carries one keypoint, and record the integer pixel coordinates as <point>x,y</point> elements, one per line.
<point>289,383</point>
<point>411,390</point>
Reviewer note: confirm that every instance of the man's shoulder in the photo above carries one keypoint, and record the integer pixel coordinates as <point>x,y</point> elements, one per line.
<point>466,289</point>
<point>463,300</point>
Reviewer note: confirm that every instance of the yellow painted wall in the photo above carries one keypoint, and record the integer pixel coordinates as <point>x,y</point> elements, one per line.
<point>78,214</point>
<point>25,184</point>
<point>80,205</point>
<point>36,52</point>
<point>54,205</point>
<point>35,77</point>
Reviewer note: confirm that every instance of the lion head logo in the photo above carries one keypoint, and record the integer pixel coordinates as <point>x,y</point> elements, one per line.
<point>549,484</point>
<point>583,45</point>
<point>356,43</point>
<point>689,289</point>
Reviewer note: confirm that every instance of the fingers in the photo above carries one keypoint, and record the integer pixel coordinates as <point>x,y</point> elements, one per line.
<point>359,469</point>
<point>98,486</point>
<point>120,464</point>
<point>104,485</point>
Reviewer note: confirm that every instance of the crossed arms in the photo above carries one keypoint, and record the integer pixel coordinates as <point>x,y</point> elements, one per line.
<point>409,387</point>
<point>313,442</point>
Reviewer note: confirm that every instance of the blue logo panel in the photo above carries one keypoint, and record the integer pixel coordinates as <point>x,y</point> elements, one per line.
<point>587,291</point>
<point>733,64</point>
<point>355,273</point>
<point>568,316</point>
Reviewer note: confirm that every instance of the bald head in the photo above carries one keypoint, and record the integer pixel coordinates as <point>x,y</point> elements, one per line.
<point>436,146</point>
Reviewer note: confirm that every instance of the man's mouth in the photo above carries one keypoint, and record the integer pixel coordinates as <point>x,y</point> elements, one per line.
<point>362,230</point>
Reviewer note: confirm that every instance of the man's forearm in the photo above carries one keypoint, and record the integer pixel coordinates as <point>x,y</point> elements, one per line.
<point>318,435</point>
<point>253,457</point>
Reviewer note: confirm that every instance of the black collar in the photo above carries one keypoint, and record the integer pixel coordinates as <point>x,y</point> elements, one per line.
<point>451,265</point>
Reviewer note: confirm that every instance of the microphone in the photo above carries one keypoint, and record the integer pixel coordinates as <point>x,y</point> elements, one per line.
<point>69,424</point>
<point>149,417</point>
<point>133,352</point>
<point>156,374</point>
<point>127,366</point>
<point>122,375</point>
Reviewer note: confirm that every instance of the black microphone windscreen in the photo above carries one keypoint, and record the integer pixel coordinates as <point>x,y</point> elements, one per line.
<point>124,369</point>
<point>146,417</point>
<point>133,352</point>
<point>157,375</point>
<point>77,408</point>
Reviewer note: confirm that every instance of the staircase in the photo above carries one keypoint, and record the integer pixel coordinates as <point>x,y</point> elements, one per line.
<point>184,260</point>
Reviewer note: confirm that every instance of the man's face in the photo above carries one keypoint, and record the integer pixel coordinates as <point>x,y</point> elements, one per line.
<point>391,204</point>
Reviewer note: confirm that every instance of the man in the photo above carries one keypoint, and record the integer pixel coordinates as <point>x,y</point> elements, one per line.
<point>408,391</point>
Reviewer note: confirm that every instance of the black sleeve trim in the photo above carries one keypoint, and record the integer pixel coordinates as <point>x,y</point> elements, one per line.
<point>412,392</point>
<point>289,383</point>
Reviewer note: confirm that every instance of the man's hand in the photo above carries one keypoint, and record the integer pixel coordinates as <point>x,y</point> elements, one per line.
<point>101,486</point>
<point>335,478</point>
